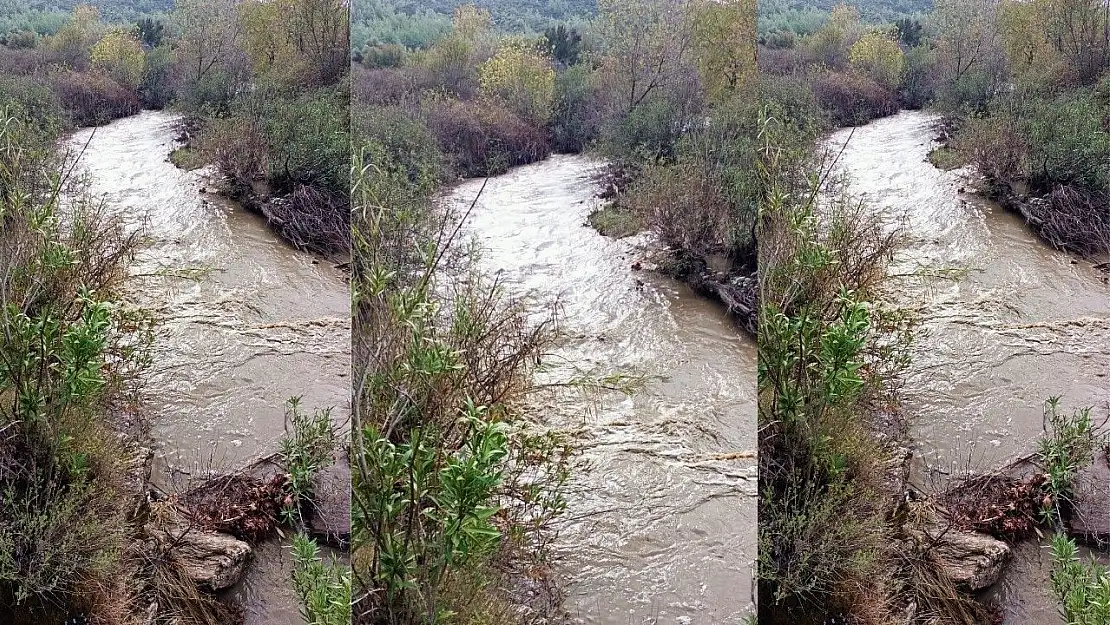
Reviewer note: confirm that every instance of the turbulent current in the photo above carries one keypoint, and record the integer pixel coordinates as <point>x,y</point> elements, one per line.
<point>661,526</point>
<point>1007,322</point>
<point>245,322</point>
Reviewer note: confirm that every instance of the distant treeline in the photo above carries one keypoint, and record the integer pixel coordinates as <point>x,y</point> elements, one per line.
<point>416,24</point>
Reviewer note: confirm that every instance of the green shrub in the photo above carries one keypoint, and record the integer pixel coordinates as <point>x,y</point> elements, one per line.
<point>1082,589</point>
<point>648,133</point>
<point>1068,447</point>
<point>156,88</point>
<point>307,446</point>
<point>324,590</point>
<point>851,99</point>
<point>92,98</point>
<point>403,145</point>
<point>383,56</point>
<point>69,355</point>
<point>574,125</point>
<point>828,352</point>
<point>449,489</point>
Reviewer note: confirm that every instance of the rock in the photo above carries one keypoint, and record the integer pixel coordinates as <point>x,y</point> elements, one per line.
<point>972,561</point>
<point>330,511</point>
<point>212,560</point>
<point>1090,516</point>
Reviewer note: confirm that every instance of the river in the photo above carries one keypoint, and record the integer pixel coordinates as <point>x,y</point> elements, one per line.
<point>244,323</point>
<point>661,527</point>
<point>1006,321</point>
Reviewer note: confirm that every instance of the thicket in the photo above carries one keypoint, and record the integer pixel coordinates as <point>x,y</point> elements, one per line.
<point>454,492</point>
<point>1034,120</point>
<point>268,83</point>
<point>71,350</point>
<point>95,72</point>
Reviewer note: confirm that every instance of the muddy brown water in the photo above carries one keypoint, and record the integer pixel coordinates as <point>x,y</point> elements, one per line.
<point>1007,321</point>
<point>661,526</point>
<point>245,322</point>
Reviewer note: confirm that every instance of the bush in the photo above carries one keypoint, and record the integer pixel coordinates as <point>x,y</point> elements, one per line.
<point>574,122</point>
<point>400,145</point>
<point>20,62</point>
<point>917,83</point>
<point>450,492</point>
<point>92,98</point>
<point>1082,589</point>
<point>324,590</point>
<point>822,535</point>
<point>520,78</point>
<point>156,88</point>
<point>483,138</point>
<point>69,354</point>
<point>383,87</point>
<point>649,132</point>
<point>383,56</point>
<point>850,99</point>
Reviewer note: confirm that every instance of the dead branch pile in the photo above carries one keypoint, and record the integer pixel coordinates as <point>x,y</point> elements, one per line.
<point>243,506</point>
<point>1000,505</point>
<point>1069,218</point>
<point>312,219</point>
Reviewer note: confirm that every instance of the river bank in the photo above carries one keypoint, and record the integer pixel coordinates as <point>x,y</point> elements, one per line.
<point>244,322</point>
<point>655,524</point>
<point>1005,322</point>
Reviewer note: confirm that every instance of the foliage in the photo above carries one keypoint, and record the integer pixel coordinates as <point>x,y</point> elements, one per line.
<point>1068,446</point>
<point>70,354</point>
<point>306,447</point>
<point>446,479</point>
<point>522,79</point>
<point>574,120</point>
<point>74,39</point>
<point>324,590</point>
<point>120,55</point>
<point>724,33</point>
<point>1082,589</point>
<point>565,45</point>
<point>879,57</point>
<point>483,138</point>
<point>827,350</point>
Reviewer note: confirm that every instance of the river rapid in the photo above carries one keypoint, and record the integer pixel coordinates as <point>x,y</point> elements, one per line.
<point>1006,322</point>
<point>244,323</point>
<point>661,526</point>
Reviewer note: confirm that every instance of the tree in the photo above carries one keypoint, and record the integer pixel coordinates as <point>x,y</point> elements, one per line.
<point>724,35</point>
<point>649,41</point>
<point>909,31</point>
<point>120,55</point>
<point>73,41</point>
<point>210,36</point>
<point>565,44</point>
<point>151,32</point>
<point>878,55</point>
<point>969,54</point>
<point>522,78</point>
<point>1080,31</point>
<point>829,45</point>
